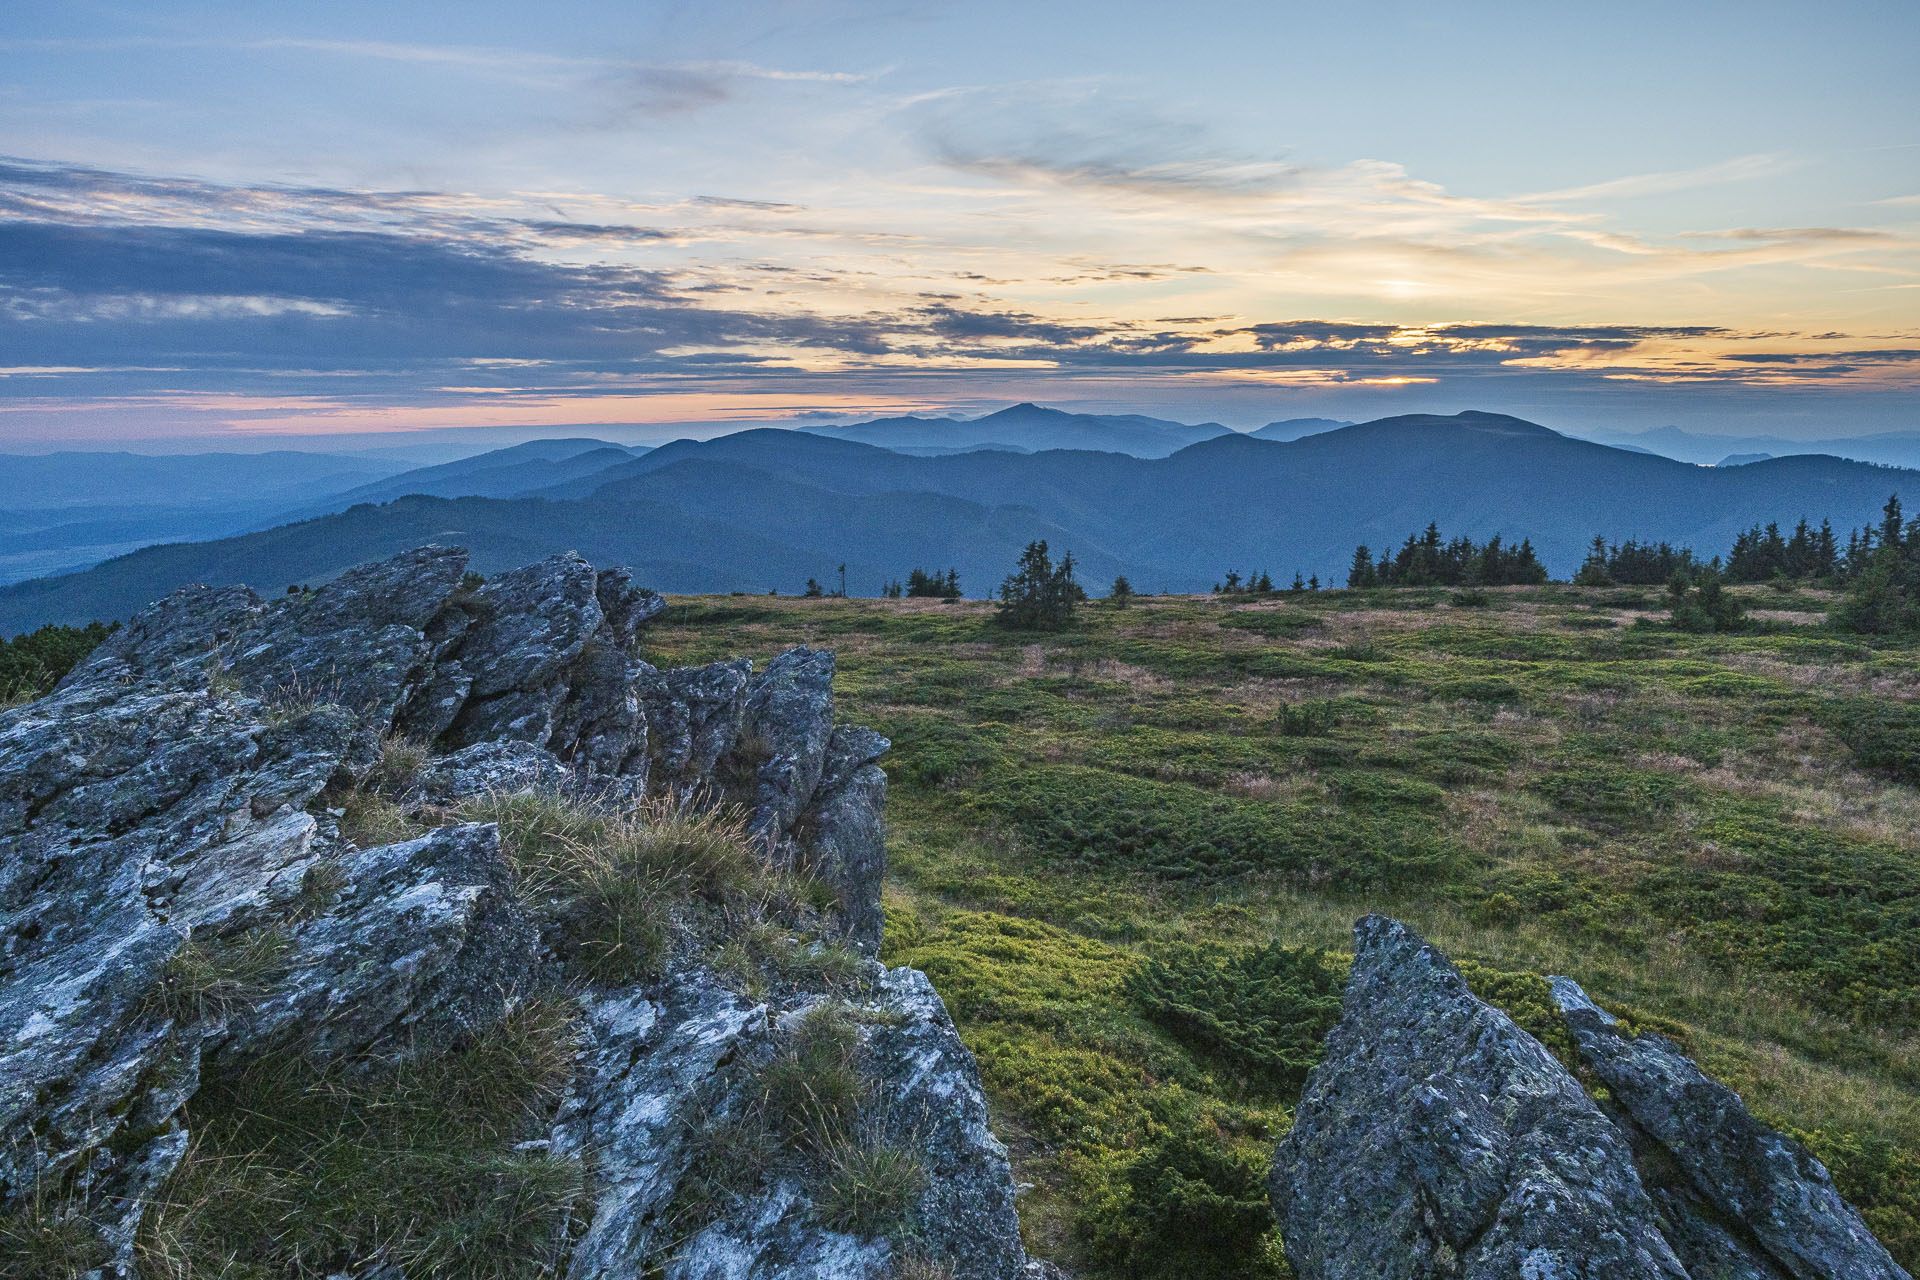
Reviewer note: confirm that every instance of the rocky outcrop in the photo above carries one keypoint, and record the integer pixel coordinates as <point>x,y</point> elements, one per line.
<point>1761,1202</point>
<point>1437,1138</point>
<point>663,1069</point>
<point>177,895</point>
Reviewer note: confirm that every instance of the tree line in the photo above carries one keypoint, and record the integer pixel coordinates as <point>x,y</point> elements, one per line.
<point>1426,560</point>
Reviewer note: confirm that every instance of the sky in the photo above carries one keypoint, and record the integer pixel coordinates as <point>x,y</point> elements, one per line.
<point>232,223</point>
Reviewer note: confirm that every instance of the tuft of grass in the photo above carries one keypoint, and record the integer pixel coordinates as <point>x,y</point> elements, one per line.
<point>372,820</point>
<point>300,1170</point>
<point>49,1241</point>
<point>812,1090</point>
<point>612,879</point>
<point>320,885</point>
<point>207,979</point>
<point>398,766</point>
<point>870,1189</point>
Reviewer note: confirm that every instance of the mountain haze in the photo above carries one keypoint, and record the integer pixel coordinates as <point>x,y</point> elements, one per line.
<point>1029,428</point>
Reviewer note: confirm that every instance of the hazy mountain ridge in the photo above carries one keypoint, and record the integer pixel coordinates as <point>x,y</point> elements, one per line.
<point>1887,448</point>
<point>1030,428</point>
<point>767,509</point>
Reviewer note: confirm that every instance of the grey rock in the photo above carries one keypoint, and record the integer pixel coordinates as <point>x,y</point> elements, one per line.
<point>137,807</point>
<point>1437,1138</point>
<point>174,791</point>
<point>694,717</point>
<point>427,945</point>
<point>1772,1191</point>
<point>358,641</point>
<point>649,1058</point>
<point>627,607</point>
<point>599,726</point>
<point>531,624</point>
<point>502,767</point>
<point>846,843</point>
<point>787,725</point>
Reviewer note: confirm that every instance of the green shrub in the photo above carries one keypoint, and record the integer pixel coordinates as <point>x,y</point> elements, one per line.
<point>1101,819</point>
<point>1608,794</point>
<point>1306,720</point>
<point>1883,736</point>
<point>1185,1206</point>
<point>31,664</point>
<point>1266,1008</point>
<point>1476,689</point>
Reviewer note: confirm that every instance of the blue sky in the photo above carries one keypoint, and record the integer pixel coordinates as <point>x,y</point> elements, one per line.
<point>238,221</point>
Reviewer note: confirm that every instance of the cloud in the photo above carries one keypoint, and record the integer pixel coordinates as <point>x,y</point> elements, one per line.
<point>118,286</point>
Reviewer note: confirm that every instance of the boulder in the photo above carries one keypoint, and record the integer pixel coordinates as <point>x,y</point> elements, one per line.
<point>846,845</point>
<point>530,625</point>
<point>1774,1209</point>
<point>786,726</point>
<point>504,767</point>
<point>1437,1138</point>
<point>170,810</point>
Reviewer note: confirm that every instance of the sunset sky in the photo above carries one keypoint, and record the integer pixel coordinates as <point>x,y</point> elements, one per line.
<point>230,221</point>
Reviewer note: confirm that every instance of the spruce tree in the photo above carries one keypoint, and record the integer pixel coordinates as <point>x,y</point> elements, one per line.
<point>1362,574</point>
<point>1039,595</point>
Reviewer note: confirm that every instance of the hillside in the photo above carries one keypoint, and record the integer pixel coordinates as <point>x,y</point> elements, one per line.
<point>766,509</point>
<point>1098,837</point>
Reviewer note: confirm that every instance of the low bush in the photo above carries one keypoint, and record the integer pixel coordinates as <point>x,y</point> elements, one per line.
<point>1883,736</point>
<point>1267,1009</point>
<point>1098,819</point>
<point>31,664</point>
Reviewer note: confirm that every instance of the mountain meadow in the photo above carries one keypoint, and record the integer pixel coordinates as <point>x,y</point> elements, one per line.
<point>1128,855</point>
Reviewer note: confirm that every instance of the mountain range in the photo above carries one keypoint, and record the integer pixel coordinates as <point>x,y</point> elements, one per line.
<point>766,509</point>
<point>1888,448</point>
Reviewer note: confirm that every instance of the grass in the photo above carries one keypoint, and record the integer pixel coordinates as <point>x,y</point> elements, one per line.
<point>869,1190</point>
<point>50,1240</point>
<point>806,1110</point>
<point>211,978</point>
<point>299,1170</point>
<point>1103,840</point>
<point>614,881</point>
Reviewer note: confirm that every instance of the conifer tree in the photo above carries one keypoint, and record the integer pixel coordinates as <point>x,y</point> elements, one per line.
<point>1039,595</point>
<point>1362,574</point>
